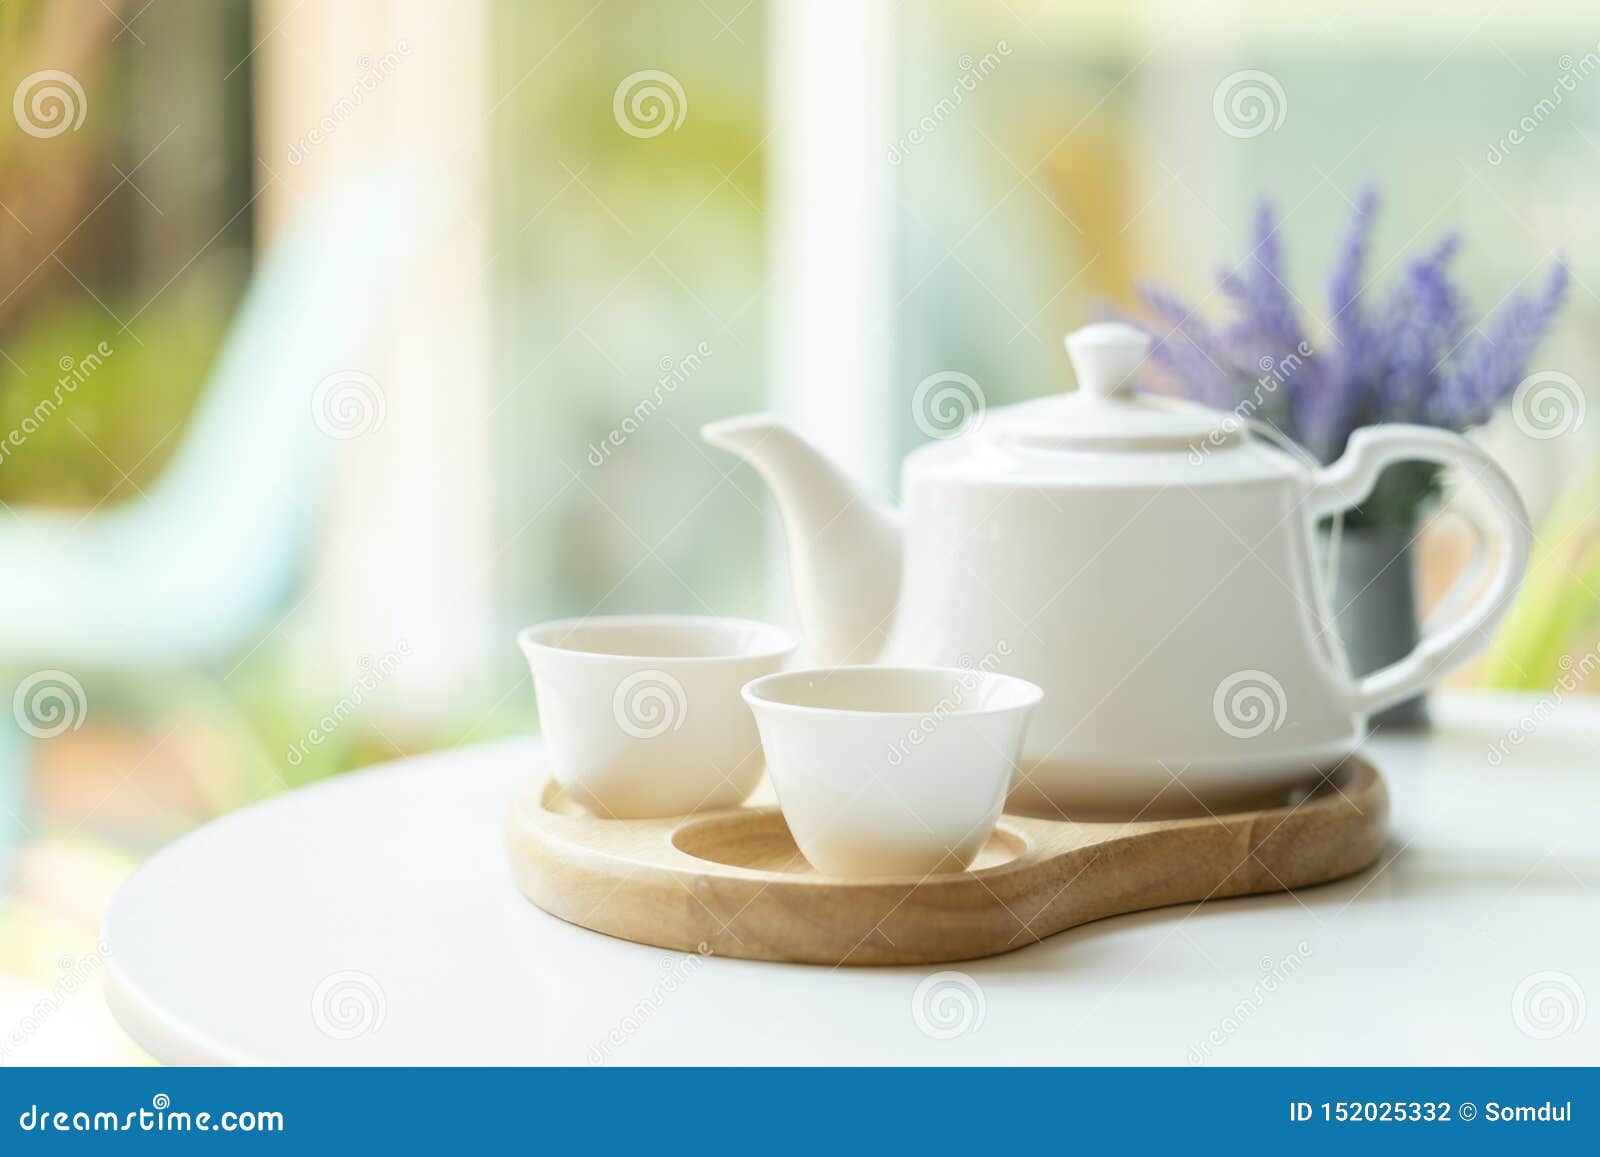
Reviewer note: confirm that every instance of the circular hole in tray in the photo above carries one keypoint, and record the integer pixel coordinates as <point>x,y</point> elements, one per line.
<point>759,840</point>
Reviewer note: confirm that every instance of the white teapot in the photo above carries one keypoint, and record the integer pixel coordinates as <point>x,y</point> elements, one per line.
<point>1142,559</point>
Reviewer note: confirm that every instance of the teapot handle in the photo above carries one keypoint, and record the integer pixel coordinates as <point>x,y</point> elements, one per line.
<point>1350,480</point>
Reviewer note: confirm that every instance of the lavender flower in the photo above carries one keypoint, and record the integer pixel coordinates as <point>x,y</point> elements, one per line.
<point>1349,323</point>
<point>1425,329</point>
<point>1411,358</point>
<point>1187,347</point>
<point>1491,366</point>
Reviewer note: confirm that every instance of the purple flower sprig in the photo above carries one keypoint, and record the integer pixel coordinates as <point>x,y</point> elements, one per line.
<point>1407,355</point>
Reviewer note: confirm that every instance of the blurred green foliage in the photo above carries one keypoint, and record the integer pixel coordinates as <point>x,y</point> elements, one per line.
<point>85,246</point>
<point>1548,640</point>
<point>116,429</point>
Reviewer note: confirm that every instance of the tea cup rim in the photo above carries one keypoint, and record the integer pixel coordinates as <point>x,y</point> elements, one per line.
<point>772,641</point>
<point>1030,694</point>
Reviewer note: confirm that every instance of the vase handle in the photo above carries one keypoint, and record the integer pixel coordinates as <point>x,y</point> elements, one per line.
<point>1350,480</point>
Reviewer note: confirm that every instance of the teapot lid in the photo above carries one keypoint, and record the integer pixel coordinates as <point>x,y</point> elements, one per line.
<point>1105,413</point>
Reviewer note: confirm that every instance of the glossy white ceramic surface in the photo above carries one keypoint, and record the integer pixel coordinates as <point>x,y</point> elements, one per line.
<point>641,713</point>
<point>1143,561</point>
<point>888,771</point>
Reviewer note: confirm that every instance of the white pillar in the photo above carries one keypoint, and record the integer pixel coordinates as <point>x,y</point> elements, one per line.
<point>831,236</point>
<point>407,552</point>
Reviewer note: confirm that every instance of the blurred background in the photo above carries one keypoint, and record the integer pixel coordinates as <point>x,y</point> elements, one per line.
<point>337,341</point>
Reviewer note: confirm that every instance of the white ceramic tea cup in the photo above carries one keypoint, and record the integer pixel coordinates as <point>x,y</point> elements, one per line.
<point>891,771</point>
<point>641,714</point>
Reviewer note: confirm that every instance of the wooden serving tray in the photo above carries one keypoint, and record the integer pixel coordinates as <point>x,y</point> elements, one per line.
<point>732,883</point>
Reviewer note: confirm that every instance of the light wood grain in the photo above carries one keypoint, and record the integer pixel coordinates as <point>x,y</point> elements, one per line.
<point>732,883</point>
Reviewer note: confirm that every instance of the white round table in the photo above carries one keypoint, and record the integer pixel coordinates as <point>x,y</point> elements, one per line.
<point>372,920</point>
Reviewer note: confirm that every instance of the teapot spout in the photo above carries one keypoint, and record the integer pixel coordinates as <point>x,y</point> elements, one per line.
<point>844,550</point>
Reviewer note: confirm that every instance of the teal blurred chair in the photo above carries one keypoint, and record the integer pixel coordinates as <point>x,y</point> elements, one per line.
<point>197,567</point>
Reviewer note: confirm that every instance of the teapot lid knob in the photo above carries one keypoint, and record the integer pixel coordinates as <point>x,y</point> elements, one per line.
<point>1106,355</point>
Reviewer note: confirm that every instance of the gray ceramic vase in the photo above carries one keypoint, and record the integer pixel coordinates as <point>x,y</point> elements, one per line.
<point>1375,607</point>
